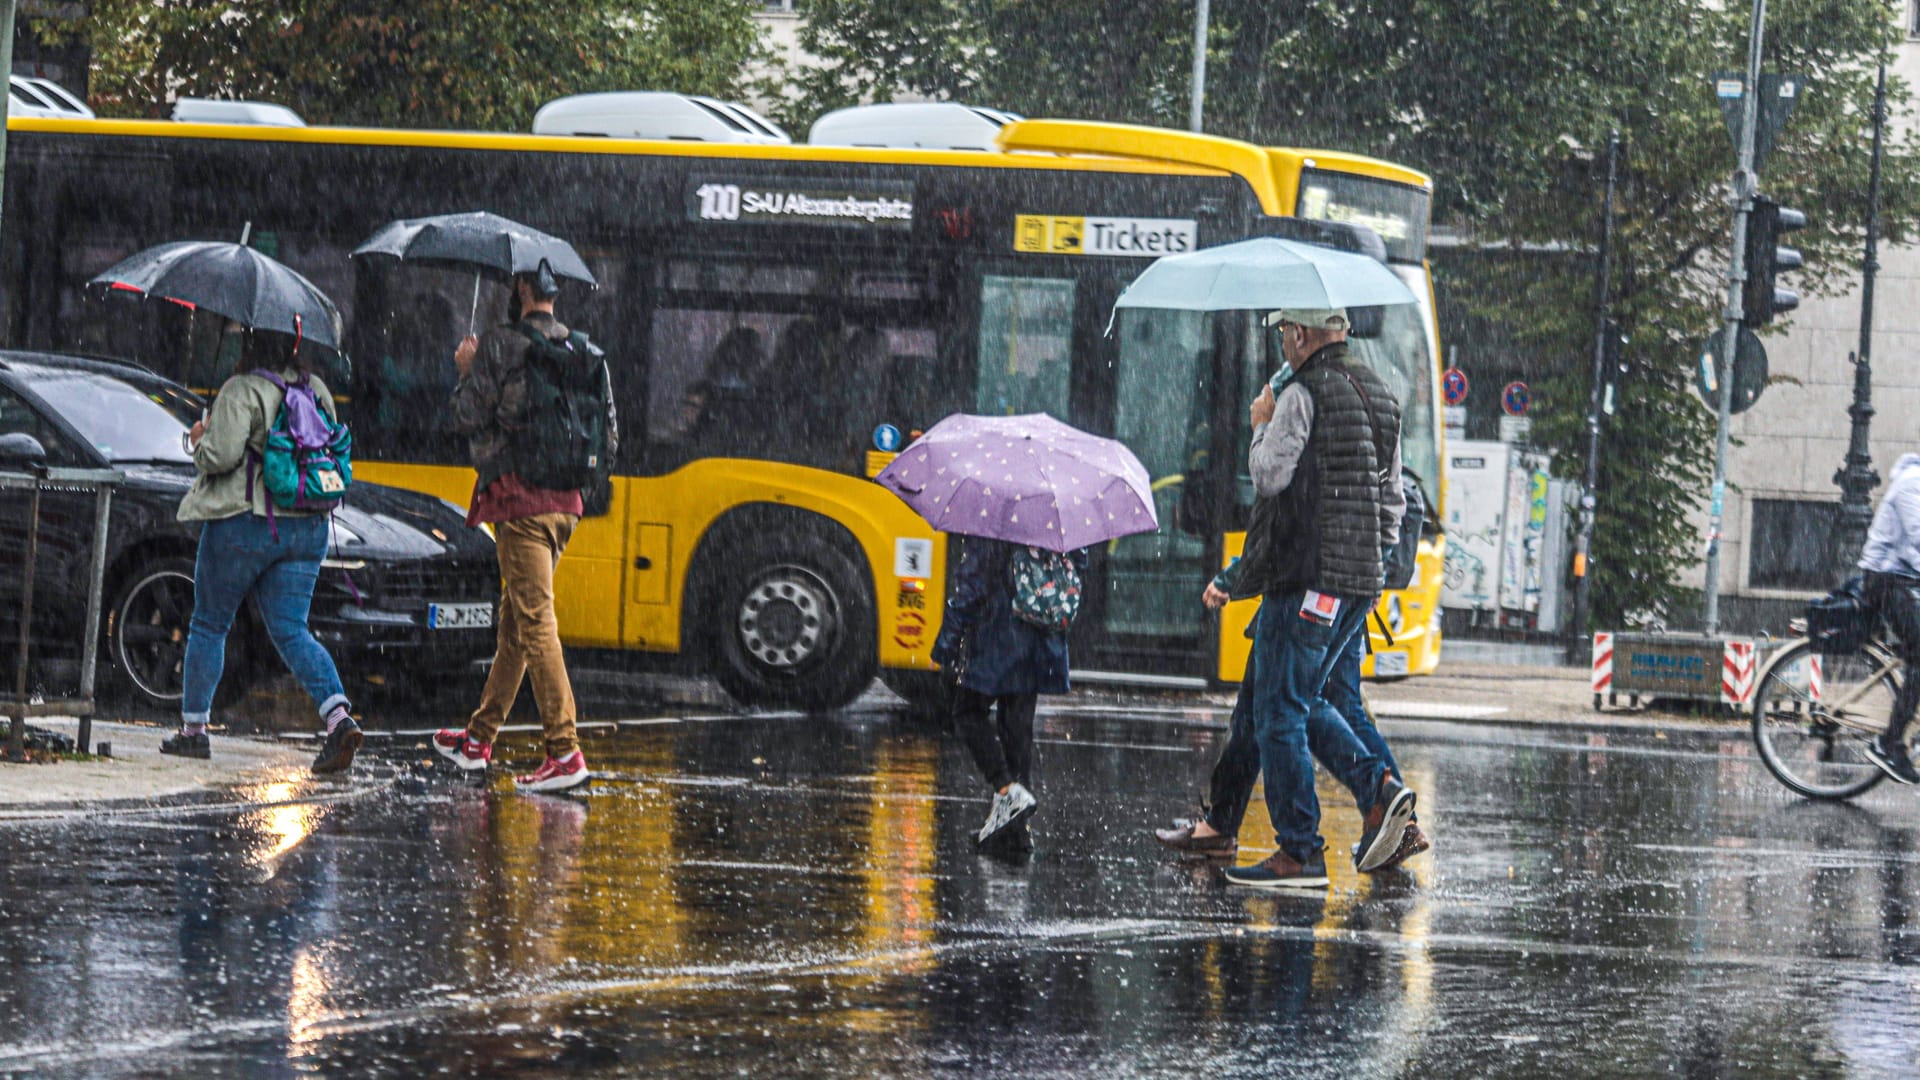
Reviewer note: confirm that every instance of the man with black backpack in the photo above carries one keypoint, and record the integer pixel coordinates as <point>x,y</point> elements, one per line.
<point>535,401</point>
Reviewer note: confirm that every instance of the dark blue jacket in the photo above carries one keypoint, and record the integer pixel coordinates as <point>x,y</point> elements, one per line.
<point>995,652</point>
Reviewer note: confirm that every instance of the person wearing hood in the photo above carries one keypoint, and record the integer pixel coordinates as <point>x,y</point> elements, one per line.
<point>1891,560</point>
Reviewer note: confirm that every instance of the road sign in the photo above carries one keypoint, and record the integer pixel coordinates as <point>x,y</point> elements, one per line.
<point>886,438</point>
<point>1778,95</point>
<point>1749,371</point>
<point>1453,386</point>
<point>1515,399</point>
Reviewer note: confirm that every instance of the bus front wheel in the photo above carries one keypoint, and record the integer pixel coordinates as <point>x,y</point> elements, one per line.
<point>797,628</point>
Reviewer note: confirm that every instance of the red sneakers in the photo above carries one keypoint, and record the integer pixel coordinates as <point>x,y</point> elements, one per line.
<point>465,754</point>
<point>556,775</point>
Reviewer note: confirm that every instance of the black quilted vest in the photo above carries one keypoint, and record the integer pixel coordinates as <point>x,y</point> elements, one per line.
<point>1325,530</point>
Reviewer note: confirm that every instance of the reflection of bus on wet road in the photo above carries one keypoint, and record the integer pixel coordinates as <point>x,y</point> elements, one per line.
<point>779,318</point>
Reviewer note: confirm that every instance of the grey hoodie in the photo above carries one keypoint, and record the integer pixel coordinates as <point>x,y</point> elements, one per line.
<point>1893,544</point>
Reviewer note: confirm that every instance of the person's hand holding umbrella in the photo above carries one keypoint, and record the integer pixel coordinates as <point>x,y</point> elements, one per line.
<point>1261,411</point>
<point>464,353</point>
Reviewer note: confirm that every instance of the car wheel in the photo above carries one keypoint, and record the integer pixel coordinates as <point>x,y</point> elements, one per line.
<point>797,628</point>
<point>147,635</point>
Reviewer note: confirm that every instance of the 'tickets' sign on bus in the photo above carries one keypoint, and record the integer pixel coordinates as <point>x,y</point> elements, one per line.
<point>888,205</point>
<point>1138,237</point>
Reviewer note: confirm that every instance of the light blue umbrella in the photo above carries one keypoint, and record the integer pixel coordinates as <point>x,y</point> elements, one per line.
<point>1263,274</point>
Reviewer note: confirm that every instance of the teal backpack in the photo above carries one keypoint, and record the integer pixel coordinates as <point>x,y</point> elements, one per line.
<point>308,461</point>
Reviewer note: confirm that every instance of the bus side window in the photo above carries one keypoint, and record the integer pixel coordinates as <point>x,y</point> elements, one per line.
<point>1026,346</point>
<point>410,320</point>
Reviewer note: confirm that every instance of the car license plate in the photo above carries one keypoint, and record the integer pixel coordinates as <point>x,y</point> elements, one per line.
<point>1389,663</point>
<point>459,616</point>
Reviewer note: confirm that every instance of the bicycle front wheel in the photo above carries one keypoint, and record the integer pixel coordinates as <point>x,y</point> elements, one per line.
<point>1815,712</point>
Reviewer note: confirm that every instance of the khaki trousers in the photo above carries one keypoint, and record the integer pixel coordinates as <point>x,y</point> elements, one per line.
<point>527,633</point>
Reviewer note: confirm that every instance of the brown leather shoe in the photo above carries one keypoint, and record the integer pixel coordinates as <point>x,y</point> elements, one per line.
<point>1412,842</point>
<point>1181,839</point>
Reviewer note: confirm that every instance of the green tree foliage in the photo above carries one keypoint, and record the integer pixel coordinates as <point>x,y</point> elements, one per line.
<point>424,63</point>
<point>1507,103</point>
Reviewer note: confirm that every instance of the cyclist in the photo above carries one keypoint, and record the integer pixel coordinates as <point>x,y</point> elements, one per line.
<point>1891,560</point>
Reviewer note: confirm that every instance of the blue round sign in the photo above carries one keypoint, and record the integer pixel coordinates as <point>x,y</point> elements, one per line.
<point>1515,399</point>
<point>886,438</point>
<point>1453,385</point>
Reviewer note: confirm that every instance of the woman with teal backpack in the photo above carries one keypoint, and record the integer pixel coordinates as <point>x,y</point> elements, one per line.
<point>1003,640</point>
<point>273,460</point>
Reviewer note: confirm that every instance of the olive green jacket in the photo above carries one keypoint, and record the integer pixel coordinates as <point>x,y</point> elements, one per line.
<point>237,424</point>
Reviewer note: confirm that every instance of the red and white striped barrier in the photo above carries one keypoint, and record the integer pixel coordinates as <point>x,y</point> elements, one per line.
<point>1602,662</point>
<point>1737,668</point>
<point>1813,677</point>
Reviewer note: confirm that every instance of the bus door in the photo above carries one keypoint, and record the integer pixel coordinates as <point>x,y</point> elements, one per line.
<point>1042,347</point>
<point>1173,409</point>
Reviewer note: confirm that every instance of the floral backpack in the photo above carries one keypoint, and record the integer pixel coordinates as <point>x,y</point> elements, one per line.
<point>1046,588</point>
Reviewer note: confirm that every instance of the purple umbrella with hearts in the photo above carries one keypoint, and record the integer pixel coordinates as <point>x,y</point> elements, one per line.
<point>1026,479</point>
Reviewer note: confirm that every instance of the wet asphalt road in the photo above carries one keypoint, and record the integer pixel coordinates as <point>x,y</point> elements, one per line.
<point>799,896</point>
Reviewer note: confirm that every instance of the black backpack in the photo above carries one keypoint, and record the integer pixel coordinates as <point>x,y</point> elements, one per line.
<point>1400,561</point>
<point>1842,620</point>
<point>564,445</point>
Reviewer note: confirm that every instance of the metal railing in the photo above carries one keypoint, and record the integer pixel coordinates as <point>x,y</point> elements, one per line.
<point>20,703</point>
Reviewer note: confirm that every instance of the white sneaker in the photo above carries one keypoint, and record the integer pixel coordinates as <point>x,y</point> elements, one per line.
<point>1017,804</point>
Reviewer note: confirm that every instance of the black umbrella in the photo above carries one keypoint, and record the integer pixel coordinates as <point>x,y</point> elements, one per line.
<point>482,242</point>
<point>231,280</point>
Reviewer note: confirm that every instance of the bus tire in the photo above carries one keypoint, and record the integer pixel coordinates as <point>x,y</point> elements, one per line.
<point>797,627</point>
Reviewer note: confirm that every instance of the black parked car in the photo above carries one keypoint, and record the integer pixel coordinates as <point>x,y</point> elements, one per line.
<point>407,592</point>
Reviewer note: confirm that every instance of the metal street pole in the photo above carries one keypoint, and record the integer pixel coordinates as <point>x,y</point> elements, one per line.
<point>1745,183</point>
<point>1855,476</point>
<point>1199,65</point>
<point>1602,286</point>
<point>6,54</point>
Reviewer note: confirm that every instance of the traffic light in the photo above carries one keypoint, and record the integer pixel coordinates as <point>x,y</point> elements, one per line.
<point>1762,297</point>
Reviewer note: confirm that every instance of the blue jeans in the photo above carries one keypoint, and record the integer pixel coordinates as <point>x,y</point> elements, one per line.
<point>240,556</point>
<point>1295,656</point>
<point>1342,691</point>
<point>1230,786</point>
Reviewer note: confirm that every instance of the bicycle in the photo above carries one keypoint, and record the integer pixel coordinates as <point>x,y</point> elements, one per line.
<point>1817,706</point>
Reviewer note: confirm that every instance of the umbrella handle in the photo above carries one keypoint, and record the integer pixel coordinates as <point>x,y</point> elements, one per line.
<point>474,312</point>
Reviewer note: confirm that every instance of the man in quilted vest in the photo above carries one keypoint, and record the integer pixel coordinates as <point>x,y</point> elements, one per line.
<point>1325,465</point>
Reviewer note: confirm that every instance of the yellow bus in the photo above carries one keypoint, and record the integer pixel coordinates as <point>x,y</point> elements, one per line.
<point>780,319</point>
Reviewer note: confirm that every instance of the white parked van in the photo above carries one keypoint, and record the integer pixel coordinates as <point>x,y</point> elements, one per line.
<point>932,125</point>
<point>653,114</point>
